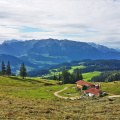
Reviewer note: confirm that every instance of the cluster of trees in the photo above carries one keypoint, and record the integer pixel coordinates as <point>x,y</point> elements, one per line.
<point>7,71</point>
<point>66,77</point>
<point>113,77</point>
<point>107,76</point>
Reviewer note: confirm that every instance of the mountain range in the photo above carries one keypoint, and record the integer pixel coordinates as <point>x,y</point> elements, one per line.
<point>40,54</point>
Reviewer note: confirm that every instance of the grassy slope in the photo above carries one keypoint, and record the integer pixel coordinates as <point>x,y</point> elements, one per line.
<point>88,76</point>
<point>75,67</point>
<point>112,88</point>
<point>33,98</point>
<point>42,88</point>
<point>29,87</point>
<point>70,92</point>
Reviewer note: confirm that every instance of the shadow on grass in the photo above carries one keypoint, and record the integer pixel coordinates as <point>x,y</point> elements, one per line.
<point>27,80</point>
<point>32,81</point>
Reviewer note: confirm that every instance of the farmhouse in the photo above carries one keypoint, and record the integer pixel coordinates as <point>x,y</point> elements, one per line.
<point>91,89</point>
<point>81,83</point>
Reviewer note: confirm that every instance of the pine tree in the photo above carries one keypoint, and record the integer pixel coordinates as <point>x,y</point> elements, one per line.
<point>59,78</point>
<point>78,74</point>
<point>8,71</point>
<point>54,77</point>
<point>23,72</point>
<point>65,76</point>
<point>3,68</point>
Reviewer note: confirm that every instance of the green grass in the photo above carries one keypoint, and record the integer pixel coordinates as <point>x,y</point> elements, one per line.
<point>70,92</point>
<point>33,98</point>
<point>27,82</point>
<point>46,92</point>
<point>88,76</point>
<point>34,88</point>
<point>112,88</point>
<point>75,67</point>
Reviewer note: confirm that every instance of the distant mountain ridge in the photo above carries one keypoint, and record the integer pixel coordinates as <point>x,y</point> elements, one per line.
<point>102,48</point>
<point>47,52</point>
<point>10,41</point>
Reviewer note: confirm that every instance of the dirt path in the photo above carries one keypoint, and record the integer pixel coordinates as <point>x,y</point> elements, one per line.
<point>72,98</point>
<point>113,96</point>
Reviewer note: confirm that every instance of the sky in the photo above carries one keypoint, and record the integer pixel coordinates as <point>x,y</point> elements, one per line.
<point>79,20</point>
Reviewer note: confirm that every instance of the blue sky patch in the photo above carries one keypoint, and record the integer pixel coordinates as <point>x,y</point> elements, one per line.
<point>30,29</point>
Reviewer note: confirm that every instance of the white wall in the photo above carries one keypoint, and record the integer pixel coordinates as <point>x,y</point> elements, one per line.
<point>90,94</point>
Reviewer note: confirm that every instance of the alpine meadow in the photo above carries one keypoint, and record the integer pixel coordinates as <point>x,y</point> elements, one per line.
<point>60,60</point>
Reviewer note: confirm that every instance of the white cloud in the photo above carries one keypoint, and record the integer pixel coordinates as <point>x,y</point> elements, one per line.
<point>82,20</point>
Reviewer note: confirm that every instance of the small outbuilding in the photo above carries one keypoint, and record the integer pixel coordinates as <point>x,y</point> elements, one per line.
<point>91,92</point>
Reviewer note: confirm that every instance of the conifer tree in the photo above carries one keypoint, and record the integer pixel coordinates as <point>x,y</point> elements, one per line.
<point>3,68</point>
<point>78,74</point>
<point>59,78</point>
<point>65,76</point>
<point>23,72</point>
<point>8,71</point>
<point>54,77</point>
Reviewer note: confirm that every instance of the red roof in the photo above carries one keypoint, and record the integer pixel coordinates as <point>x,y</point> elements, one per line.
<point>93,91</point>
<point>81,82</point>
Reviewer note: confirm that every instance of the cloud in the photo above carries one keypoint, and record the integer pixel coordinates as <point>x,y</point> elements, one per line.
<point>81,20</point>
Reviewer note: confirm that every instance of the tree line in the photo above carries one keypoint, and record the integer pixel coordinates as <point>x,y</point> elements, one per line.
<point>107,76</point>
<point>66,77</point>
<point>101,65</point>
<point>7,71</point>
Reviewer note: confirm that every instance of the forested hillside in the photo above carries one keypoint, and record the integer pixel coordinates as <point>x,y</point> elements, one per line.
<point>108,76</point>
<point>45,53</point>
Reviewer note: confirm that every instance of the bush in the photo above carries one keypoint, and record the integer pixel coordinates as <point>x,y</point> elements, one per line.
<point>84,87</point>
